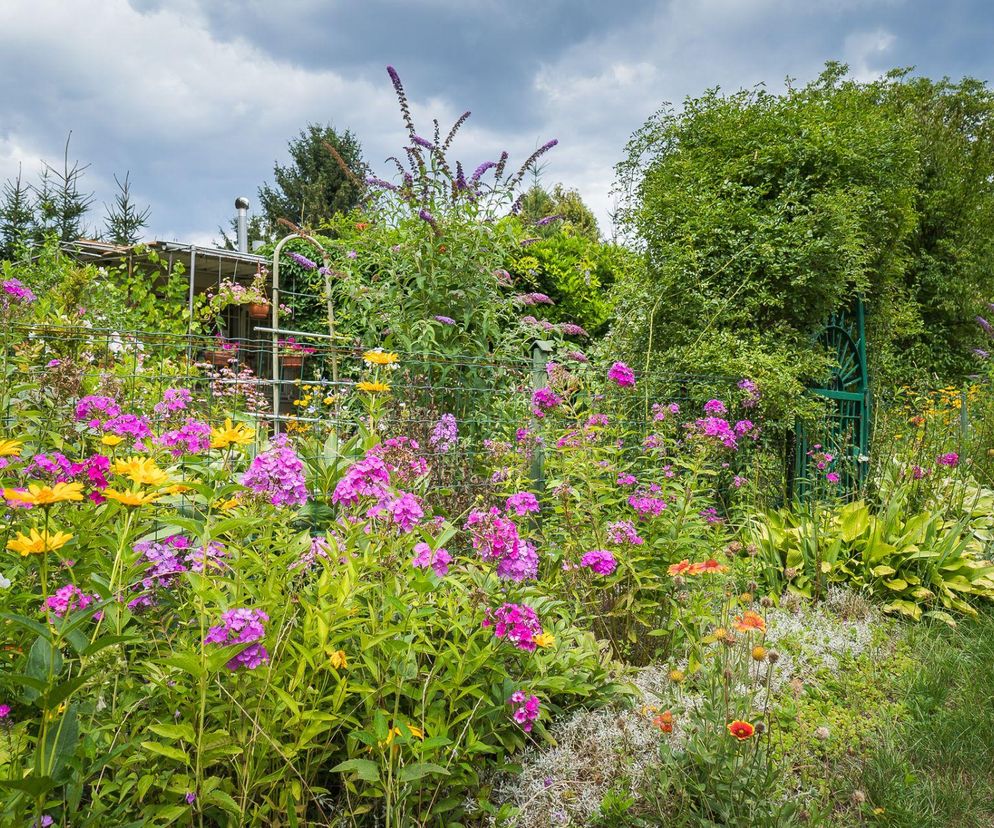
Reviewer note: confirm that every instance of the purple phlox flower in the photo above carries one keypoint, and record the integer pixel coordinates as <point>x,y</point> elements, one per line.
<point>526,709</point>
<point>445,320</point>
<point>241,626</point>
<point>711,516</point>
<point>626,479</point>
<point>278,474</point>
<point>89,407</point>
<point>302,260</point>
<point>622,375</point>
<point>4,711</point>
<point>543,400</point>
<point>623,532</point>
<point>832,477</point>
<point>173,399</point>
<point>193,437</point>
<point>714,408</point>
<point>717,429</point>
<point>129,425</point>
<point>646,505</point>
<point>599,561</point>
<point>521,503</point>
<point>53,363</point>
<point>404,510</point>
<point>752,391</point>
<point>517,623</point>
<point>738,481</point>
<point>438,559</point>
<point>445,435</point>
<point>190,797</point>
<point>950,459</point>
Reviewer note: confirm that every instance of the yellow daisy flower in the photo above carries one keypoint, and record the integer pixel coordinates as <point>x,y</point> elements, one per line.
<point>45,495</point>
<point>231,435</point>
<point>379,357</point>
<point>111,440</point>
<point>338,660</point>
<point>131,498</point>
<point>10,447</point>
<point>38,543</point>
<point>544,639</point>
<point>373,387</point>
<point>142,470</point>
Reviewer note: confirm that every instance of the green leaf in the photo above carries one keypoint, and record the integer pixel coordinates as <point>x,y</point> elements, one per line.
<point>61,741</point>
<point>174,731</point>
<point>168,751</point>
<point>418,770</point>
<point>368,770</point>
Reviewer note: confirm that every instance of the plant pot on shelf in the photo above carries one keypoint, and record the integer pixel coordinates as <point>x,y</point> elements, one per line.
<point>220,358</point>
<point>258,310</point>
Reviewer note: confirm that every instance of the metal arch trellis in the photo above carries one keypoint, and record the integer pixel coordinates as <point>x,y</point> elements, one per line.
<point>845,430</point>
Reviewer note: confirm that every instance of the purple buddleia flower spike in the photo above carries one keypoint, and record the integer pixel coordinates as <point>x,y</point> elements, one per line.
<point>542,222</point>
<point>479,171</point>
<point>405,108</point>
<point>455,128</point>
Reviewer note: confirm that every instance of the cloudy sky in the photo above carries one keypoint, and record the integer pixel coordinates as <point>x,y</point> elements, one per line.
<point>197,98</point>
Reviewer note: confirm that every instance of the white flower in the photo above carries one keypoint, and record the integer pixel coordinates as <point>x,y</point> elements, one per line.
<point>4,582</point>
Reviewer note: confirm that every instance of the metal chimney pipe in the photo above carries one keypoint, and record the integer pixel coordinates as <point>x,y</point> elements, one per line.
<point>242,205</point>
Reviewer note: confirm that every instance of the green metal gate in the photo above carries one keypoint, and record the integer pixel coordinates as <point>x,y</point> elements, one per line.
<point>844,432</point>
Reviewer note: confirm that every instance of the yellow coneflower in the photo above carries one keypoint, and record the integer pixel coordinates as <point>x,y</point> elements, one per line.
<point>544,639</point>
<point>379,357</point>
<point>111,440</point>
<point>8,448</point>
<point>142,470</point>
<point>131,498</point>
<point>338,660</point>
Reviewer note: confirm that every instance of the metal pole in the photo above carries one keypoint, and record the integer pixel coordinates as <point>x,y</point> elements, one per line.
<point>541,348</point>
<point>193,272</point>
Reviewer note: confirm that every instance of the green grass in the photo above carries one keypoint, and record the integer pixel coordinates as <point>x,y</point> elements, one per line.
<point>934,767</point>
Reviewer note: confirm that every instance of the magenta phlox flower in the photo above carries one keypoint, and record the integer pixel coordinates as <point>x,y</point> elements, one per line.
<point>173,400</point>
<point>438,559</point>
<point>622,375</point>
<point>521,503</point>
<point>526,709</point>
<point>517,623</point>
<point>496,539</point>
<point>92,408</point>
<point>404,510</point>
<point>600,561</point>
<point>278,474</point>
<point>544,400</point>
<point>70,598</point>
<point>715,408</point>
<point>193,437</point>
<point>369,477</point>
<point>950,459</point>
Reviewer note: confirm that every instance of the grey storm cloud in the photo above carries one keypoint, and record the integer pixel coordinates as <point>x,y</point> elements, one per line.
<point>197,98</point>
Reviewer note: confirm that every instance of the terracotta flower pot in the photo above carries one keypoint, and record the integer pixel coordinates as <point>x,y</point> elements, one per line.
<point>220,358</point>
<point>292,360</point>
<point>258,310</point>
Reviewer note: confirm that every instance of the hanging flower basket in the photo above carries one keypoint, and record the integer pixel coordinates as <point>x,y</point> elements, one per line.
<point>294,361</point>
<point>259,310</point>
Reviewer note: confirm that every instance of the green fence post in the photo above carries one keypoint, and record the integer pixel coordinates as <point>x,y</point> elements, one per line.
<point>541,349</point>
<point>964,418</point>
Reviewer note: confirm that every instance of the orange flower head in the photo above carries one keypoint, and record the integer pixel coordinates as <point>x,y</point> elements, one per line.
<point>750,621</point>
<point>710,566</point>
<point>664,721</point>
<point>741,730</point>
<point>679,568</point>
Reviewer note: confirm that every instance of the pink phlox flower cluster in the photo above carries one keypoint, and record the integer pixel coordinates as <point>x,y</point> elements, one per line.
<point>526,709</point>
<point>278,473</point>
<point>241,626</point>
<point>653,441</point>
<point>950,459</point>
<point>623,532</point>
<point>521,503</point>
<point>716,429</point>
<point>91,408</point>
<point>209,558</point>
<point>496,539</point>
<point>129,425</point>
<point>626,479</point>
<point>55,465</point>
<point>368,477</point>
<point>14,290</point>
<point>402,456</point>
<point>70,598</point>
<point>832,477</point>
<point>571,439</point>
<point>319,548</point>
<point>193,437</point>
<point>445,435</point>
<point>597,421</point>
<point>404,510</point>
<point>738,481</point>
<point>438,559</point>
<point>715,408</point>
<point>600,561</point>
<point>622,375</point>
<point>517,623</point>
<point>647,503</point>
<point>164,561</point>
<point>173,400</point>
<point>543,400</point>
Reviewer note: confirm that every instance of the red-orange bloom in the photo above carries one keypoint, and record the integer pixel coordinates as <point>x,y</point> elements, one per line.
<point>707,566</point>
<point>741,730</point>
<point>750,621</point>
<point>664,721</point>
<point>680,568</point>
